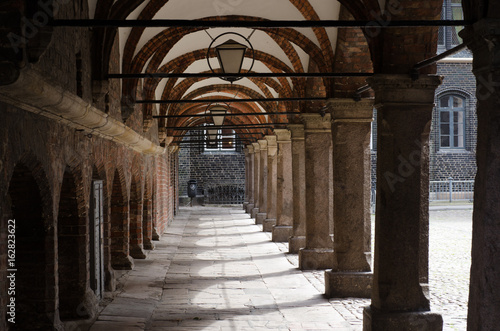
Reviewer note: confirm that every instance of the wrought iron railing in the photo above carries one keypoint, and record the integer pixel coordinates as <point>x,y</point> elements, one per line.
<point>225,194</point>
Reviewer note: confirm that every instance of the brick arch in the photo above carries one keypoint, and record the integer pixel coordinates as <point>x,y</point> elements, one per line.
<point>29,201</point>
<point>169,37</point>
<point>352,55</point>
<point>136,208</point>
<point>181,63</point>
<point>147,214</point>
<point>72,246</point>
<point>119,219</point>
<point>396,50</point>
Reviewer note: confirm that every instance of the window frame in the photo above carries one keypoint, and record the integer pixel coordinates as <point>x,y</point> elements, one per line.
<point>450,109</point>
<point>220,143</point>
<point>447,32</point>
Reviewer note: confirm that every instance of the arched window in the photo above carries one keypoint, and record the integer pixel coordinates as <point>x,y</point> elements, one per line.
<point>451,121</point>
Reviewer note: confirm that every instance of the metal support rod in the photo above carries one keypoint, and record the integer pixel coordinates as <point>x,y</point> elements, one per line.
<point>237,126</point>
<point>228,115</point>
<point>166,23</point>
<point>228,100</point>
<point>211,141</point>
<point>240,75</point>
<point>436,58</point>
<point>242,135</point>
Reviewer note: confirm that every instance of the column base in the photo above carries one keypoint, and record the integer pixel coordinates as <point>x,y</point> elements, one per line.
<point>281,233</point>
<point>315,259</point>
<point>249,208</point>
<point>255,211</point>
<point>122,262</point>
<point>374,320</point>
<point>345,284</point>
<point>109,279</point>
<point>149,245</point>
<point>245,204</point>
<point>137,252</point>
<point>261,217</point>
<point>269,223</point>
<point>296,243</point>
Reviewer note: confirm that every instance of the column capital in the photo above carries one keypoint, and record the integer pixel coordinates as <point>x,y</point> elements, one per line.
<point>250,149</point>
<point>256,147</point>
<point>283,136</point>
<point>262,144</point>
<point>348,110</point>
<point>316,122</point>
<point>297,131</point>
<point>272,146</point>
<point>172,149</point>
<point>402,89</point>
<point>168,140</point>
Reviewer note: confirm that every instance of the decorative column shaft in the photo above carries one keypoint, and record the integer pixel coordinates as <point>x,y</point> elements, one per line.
<point>272,151</point>
<point>250,180</point>
<point>404,113</point>
<point>262,214</point>
<point>256,179</point>
<point>483,314</point>
<point>351,127</point>
<point>284,197</point>
<point>318,253</point>
<point>298,238</point>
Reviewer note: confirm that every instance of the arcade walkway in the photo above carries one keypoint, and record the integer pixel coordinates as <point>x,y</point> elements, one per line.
<point>215,269</point>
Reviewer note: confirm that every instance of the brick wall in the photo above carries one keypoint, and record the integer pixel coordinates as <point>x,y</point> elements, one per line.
<point>210,168</point>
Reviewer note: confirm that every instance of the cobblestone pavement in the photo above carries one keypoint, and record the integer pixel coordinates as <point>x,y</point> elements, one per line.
<point>215,269</point>
<point>450,234</point>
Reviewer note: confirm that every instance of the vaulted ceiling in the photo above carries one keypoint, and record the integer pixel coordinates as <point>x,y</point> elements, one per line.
<point>277,50</point>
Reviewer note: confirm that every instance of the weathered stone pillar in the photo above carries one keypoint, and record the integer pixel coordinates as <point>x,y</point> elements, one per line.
<point>483,314</point>
<point>284,196</point>
<point>256,179</point>
<point>318,253</point>
<point>298,238</point>
<point>351,127</point>
<point>250,179</point>
<point>272,167</point>
<point>404,112</point>
<point>262,214</point>
<point>247,157</point>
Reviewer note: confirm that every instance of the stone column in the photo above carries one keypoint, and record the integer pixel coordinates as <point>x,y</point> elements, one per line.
<point>247,157</point>
<point>404,113</point>
<point>484,292</point>
<point>284,197</point>
<point>298,238</point>
<point>351,127</point>
<point>256,179</point>
<point>272,167</point>
<point>250,180</point>
<point>318,253</point>
<point>262,214</point>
